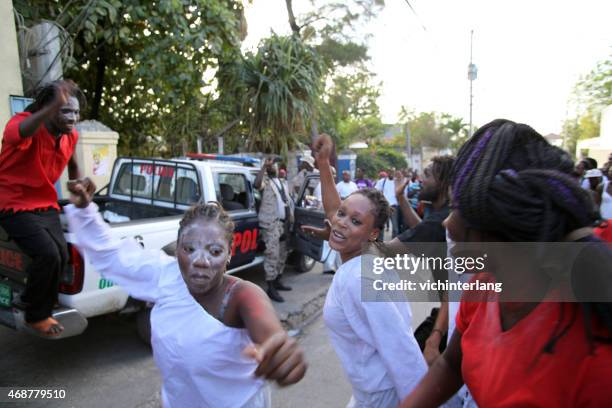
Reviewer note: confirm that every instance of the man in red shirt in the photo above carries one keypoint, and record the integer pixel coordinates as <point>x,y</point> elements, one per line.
<point>36,147</point>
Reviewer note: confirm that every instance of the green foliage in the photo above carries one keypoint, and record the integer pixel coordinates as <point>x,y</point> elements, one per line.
<point>583,127</point>
<point>432,129</point>
<point>282,83</point>
<point>592,93</point>
<point>595,90</point>
<point>147,67</point>
<point>349,110</point>
<point>342,53</point>
<point>375,159</point>
<point>349,100</point>
<point>367,129</point>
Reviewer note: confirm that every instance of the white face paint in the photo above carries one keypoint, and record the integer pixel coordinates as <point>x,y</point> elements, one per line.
<point>202,254</point>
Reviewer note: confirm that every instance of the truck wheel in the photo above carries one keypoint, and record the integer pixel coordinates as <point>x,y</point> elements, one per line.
<point>305,263</point>
<point>143,324</point>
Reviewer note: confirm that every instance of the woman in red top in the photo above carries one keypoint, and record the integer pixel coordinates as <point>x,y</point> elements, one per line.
<point>511,185</point>
<point>37,146</point>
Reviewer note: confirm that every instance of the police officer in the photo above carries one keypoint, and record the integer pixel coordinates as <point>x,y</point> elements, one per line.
<point>273,213</point>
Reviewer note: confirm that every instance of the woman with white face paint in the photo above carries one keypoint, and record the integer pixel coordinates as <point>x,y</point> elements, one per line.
<point>215,338</point>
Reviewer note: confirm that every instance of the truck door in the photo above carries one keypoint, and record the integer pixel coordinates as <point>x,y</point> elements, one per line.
<point>308,211</point>
<point>235,194</point>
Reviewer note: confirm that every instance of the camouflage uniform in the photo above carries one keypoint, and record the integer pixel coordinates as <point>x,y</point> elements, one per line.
<point>272,227</point>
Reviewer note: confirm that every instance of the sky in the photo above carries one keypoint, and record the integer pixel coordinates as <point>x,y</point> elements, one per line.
<point>529,54</point>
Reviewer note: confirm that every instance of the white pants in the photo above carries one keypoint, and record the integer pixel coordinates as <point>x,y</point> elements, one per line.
<point>379,399</point>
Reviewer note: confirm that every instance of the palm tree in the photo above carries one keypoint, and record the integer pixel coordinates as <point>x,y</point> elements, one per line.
<point>282,82</point>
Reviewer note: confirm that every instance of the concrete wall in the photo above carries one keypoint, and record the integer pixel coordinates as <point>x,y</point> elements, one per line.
<point>10,72</point>
<point>96,152</point>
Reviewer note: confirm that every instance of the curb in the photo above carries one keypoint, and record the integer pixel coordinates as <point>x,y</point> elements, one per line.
<point>309,310</point>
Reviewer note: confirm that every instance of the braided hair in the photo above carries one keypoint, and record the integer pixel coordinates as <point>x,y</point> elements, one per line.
<point>210,212</point>
<point>45,94</point>
<point>509,181</point>
<point>441,170</point>
<point>382,209</point>
<point>506,169</point>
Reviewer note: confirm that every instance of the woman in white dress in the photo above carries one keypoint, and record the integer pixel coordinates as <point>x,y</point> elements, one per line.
<point>215,338</point>
<point>373,340</point>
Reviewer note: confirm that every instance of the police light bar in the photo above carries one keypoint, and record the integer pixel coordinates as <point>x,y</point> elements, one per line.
<point>208,156</point>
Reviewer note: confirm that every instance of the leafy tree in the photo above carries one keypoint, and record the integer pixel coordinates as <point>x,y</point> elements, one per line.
<point>282,83</point>
<point>375,159</point>
<point>367,129</point>
<point>583,127</point>
<point>147,67</point>
<point>456,128</point>
<point>332,28</point>
<point>427,130</point>
<point>349,110</point>
<point>591,94</point>
<point>595,90</point>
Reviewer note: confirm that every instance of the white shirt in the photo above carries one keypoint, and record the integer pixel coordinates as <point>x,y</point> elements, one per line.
<point>344,189</point>
<point>373,340</point>
<point>388,190</point>
<point>200,359</point>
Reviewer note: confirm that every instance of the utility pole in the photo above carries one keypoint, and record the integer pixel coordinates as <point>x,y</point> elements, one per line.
<point>472,74</point>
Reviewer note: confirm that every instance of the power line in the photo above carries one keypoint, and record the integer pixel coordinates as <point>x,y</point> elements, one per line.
<point>416,15</point>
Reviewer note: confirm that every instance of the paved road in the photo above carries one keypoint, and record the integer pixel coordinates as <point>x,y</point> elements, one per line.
<point>324,384</point>
<point>109,366</point>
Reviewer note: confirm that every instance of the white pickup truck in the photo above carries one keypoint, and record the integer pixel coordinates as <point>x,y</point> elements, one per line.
<point>145,200</point>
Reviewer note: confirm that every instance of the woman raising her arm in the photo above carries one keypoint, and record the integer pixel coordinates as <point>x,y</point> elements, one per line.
<point>373,340</point>
<point>215,338</point>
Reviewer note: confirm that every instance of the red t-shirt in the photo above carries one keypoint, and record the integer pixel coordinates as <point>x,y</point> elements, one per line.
<point>509,369</point>
<point>604,231</point>
<point>30,167</point>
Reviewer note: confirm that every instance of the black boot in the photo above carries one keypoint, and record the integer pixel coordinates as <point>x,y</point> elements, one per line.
<point>273,293</point>
<point>278,285</point>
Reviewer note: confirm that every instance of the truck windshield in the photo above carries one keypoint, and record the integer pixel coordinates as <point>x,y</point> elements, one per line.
<point>156,181</point>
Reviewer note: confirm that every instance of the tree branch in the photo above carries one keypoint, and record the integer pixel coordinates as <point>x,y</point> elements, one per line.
<point>294,27</point>
<point>227,127</point>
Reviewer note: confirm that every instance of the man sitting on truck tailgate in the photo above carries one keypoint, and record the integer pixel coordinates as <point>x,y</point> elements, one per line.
<point>272,216</point>
<point>36,147</point>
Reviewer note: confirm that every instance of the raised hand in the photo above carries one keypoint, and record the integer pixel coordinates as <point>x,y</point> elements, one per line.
<point>400,183</point>
<point>61,93</point>
<point>323,148</point>
<point>320,233</point>
<point>81,191</point>
<point>280,358</point>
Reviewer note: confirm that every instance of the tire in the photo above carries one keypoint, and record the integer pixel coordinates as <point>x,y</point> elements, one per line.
<point>305,263</point>
<point>143,324</point>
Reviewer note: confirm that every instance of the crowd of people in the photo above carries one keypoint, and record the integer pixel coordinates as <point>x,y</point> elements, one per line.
<point>216,338</point>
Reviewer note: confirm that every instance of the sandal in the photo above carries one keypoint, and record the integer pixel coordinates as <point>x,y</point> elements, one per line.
<point>48,327</point>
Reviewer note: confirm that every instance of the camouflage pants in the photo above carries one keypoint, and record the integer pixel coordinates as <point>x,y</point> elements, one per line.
<point>276,250</point>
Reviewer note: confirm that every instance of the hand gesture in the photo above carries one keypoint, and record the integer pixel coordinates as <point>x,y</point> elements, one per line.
<point>81,191</point>
<point>320,233</point>
<point>280,359</point>
<point>268,163</point>
<point>61,93</point>
<point>400,183</point>
<point>323,148</point>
